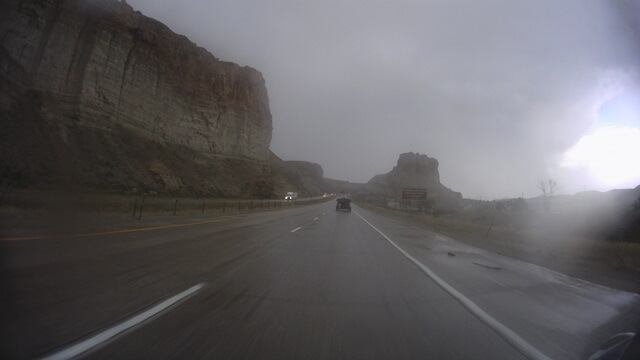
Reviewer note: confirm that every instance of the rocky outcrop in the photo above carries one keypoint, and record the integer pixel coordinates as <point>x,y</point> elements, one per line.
<point>100,64</point>
<point>309,169</point>
<point>345,187</point>
<point>305,178</point>
<point>414,171</point>
<point>100,70</point>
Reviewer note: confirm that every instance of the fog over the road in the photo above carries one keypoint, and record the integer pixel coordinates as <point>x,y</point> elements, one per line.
<point>502,93</point>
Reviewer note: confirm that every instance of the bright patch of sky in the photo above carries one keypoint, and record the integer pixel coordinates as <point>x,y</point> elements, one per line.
<point>607,157</point>
<point>621,110</point>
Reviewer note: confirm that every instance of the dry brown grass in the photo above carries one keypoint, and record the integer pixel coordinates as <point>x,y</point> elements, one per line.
<point>29,204</point>
<point>623,255</point>
<point>542,247</point>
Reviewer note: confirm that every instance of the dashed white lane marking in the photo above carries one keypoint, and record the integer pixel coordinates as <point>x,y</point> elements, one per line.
<point>316,219</point>
<point>296,229</point>
<point>104,336</point>
<point>506,333</point>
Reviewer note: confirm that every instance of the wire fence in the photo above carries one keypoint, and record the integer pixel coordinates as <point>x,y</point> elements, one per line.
<point>139,206</point>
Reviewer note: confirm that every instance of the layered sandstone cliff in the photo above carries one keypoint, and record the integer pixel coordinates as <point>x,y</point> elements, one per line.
<point>101,64</point>
<point>95,93</point>
<point>305,178</point>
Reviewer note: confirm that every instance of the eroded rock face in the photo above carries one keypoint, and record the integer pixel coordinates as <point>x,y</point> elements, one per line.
<point>305,178</point>
<point>414,171</point>
<point>99,64</point>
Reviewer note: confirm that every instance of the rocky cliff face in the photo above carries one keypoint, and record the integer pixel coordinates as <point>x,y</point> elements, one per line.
<point>77,77</point>
<point>305,178</point>
<point>101,64</point>
<point>414,171</point>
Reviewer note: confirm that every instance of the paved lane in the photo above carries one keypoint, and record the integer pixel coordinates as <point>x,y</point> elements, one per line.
<point>62,289</point>
<point>332,289</point>
<point>304,283</point>
<point>564,317</point>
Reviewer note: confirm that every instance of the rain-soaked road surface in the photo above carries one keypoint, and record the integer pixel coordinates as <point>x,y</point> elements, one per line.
<point>307,283</point>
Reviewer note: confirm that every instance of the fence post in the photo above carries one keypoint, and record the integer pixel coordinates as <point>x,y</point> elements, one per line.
<point>203,207</point>
<point>141,207</point>
<point>135,207</point>
<point>224,203</point>
<point>175,207</point>
<point>489,229</point>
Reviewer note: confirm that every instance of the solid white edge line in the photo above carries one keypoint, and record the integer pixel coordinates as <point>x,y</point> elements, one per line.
<point>104,336</point>
<point>506,333</point>
<point>296,229</point>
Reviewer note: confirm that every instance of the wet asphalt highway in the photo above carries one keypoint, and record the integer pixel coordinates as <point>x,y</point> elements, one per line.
<point>307,283</point>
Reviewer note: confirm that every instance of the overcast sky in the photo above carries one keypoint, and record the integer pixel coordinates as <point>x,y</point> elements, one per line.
<point>502,93</point>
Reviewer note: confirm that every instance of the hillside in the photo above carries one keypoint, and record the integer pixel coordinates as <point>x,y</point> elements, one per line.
<point>305,178</point>
<point>622,199</point>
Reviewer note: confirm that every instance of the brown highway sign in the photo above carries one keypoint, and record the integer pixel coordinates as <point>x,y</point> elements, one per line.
<point>414,194</point>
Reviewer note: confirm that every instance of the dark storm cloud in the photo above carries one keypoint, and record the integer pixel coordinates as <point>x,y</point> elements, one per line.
<point>495,90</point>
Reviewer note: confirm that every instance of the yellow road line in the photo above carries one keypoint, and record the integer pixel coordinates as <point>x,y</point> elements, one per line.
<point>116,231</point>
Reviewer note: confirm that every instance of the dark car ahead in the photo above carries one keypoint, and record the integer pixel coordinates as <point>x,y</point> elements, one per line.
<point>343,204</point>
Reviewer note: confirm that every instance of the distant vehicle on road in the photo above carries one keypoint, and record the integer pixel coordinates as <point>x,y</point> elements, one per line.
<point>291,196</point>
<point>343,204</point>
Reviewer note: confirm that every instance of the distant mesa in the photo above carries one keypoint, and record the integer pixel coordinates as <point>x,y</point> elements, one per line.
<point>414,171</point>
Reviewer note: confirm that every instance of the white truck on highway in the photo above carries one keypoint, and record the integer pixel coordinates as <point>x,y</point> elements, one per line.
<point>291,195</point>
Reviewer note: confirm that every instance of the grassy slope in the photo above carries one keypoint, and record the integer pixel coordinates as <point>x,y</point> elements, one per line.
<point>615,265</point>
